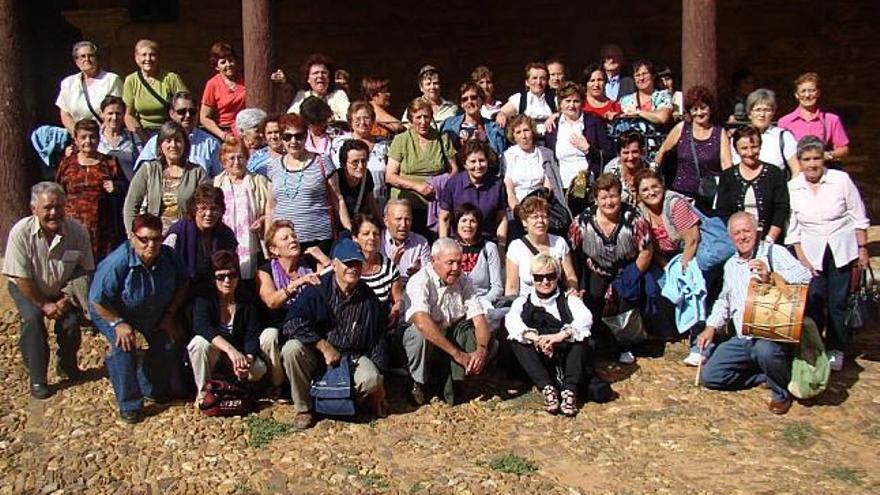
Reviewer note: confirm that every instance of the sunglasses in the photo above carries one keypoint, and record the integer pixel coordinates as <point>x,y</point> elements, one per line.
<point>544,277</point>
<point>222,277</point>
<point>148,240</point>
<point>469,98</point>
<point>299,136</point>
<point>185,111</point>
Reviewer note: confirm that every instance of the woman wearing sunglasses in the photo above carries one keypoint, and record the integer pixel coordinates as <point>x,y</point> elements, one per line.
<point>305,189</point>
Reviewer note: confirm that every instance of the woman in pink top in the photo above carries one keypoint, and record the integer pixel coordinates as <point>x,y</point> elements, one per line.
<point>224,94</point>
<point>807,119</point>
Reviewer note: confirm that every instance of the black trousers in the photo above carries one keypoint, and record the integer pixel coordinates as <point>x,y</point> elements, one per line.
<point>567,357</point>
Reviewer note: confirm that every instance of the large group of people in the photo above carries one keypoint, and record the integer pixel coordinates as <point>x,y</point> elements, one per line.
<point>269,248</point>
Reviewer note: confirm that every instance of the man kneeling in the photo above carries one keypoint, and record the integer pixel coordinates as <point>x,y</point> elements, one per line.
<point>340,316</point>
<point>743,362</point>
<point>444,312</point>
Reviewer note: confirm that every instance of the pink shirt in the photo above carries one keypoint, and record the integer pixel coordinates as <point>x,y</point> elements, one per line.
<point>825,126</point>
<point>225,102</point>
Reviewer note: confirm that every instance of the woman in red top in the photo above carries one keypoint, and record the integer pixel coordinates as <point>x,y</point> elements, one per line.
<point>224,94</point>
<point>95,187</point>
<point>596,102</point>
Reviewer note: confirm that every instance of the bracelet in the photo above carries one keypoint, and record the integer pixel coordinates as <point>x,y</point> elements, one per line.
<point>115,323</point>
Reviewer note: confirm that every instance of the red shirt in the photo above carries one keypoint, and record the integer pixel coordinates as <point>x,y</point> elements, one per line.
<point>609,106</point>
<point>225,102</point>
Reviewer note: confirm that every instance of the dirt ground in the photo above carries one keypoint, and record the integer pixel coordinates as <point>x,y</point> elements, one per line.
<point>661,435</point>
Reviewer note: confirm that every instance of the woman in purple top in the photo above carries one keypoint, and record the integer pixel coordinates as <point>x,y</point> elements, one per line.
<point>479,188</point>
<point>701,149</point>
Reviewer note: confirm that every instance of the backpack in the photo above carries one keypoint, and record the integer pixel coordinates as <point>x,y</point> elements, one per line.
<point>223,398</point>
<point>810,368</point>
<point>333,394</point>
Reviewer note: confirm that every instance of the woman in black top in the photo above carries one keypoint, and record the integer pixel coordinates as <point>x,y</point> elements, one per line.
<point>755,187</point>
<point>355,182</point>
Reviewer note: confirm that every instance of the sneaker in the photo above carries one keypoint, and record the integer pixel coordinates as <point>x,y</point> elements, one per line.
<point>694,359</point>
<point>835,360</point>
<point>626,358</point>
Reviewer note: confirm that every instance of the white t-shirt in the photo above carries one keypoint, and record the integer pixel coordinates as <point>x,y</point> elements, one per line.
<point>571,160</point>
<point>520,254</point>
<point>337,101</point>
<point>536,108</point>
<point>770,149</point>
<point>525,170</point>
<point>71,98</point>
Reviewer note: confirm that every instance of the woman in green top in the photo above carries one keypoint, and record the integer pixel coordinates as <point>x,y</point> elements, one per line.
<point>416,156</point>
<point>147,91</point>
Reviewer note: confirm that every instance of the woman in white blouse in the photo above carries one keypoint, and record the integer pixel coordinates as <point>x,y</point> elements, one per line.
<point>549,330</point>
<point>524,161</point>
<point>81,94</point>
<point>828,229</point>
<point>778,146</point>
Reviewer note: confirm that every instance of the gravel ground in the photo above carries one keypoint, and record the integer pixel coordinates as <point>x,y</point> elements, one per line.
<point>662,435</point>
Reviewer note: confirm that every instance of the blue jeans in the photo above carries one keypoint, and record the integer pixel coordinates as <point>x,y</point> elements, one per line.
<point>827,301</point>
<point>132,380</point>
<point>741,363</point>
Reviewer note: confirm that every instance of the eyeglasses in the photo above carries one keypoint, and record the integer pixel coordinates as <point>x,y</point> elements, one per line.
<point>185,111</point>
<point>544,277</point>
<point>299,136</point>
<point>148,239</point>
<point>469,98</point>
<point>762,110</point>
<point>83,56</point>
<point>222,277</point>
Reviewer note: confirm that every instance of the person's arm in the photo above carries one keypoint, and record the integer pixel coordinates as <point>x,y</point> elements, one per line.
<point>507,111</point>
<point>511,284</point>
<point>270,211</point>
<point>477,359</point>
<point>571,280</point>
<point>396,299</point>
<point>275,297</point>
<point>781,207</point>
<point>802,257</point>
<point>671,142</point>
<point>432,333</point>
<point>513,323</point>
<point>134,198</point>
<point>393,179</point>
<point>643,260</point>
<point>726,158</point>
<point>493,264</point>
<point>344,218</point>
<point>124,333</point>
<point>206,119</point>
<point>660,116</point>
<point>443,218</point>
<point>691,238</point>
<point>501,231</point>
<point>67,121</point>
<point>511,194</point>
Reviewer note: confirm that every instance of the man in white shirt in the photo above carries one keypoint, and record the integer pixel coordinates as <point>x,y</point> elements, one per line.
<point>742,361</point>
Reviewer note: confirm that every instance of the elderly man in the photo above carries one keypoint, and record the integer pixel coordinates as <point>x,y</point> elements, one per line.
<point>48,262</point>
<point>742,361</point>
<point>444,312</point>
<point>204,149</point>
<point>340,317</point>
<point>408,250</point>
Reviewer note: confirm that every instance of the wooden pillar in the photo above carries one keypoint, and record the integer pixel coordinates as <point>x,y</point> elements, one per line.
<point>259,51</point>
<point>699,54</point>
<point>13,119</point>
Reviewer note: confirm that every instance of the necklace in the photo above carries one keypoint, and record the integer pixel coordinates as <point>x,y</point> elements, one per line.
<point>299,179</point>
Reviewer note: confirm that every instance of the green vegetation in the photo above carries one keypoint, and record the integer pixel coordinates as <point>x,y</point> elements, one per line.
<point>264,430</point>
<point>847,475</point>
<point>513,464</point>
<point>369,480</point>
<point>799,435</point>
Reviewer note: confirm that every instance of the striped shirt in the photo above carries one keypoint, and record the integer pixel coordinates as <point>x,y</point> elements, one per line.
<point>732,301</point>
<point>382,280</point>
<point>301,197</point>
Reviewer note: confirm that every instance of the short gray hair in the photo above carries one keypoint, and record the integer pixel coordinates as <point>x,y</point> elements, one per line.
<point>397,202</point>
<point>84,44</point>
<point>809,143</point>
<point>739,216</point>
<point>761,96</point>
<point>444,244</point>
<point>182,95</point>
<point>249,118</point>
<point>47,187</point>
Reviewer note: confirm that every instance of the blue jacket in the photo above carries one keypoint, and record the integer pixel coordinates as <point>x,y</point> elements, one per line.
<point>687,291</point>
<point>494,133</point>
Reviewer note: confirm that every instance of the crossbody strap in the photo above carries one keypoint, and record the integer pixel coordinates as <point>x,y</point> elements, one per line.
<point>694,153</point>
<point>152,91</point>
<point>85,92</point>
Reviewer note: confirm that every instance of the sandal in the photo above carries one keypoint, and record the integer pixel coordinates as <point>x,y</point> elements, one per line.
<point>569,403</point>
<point>551,399</point>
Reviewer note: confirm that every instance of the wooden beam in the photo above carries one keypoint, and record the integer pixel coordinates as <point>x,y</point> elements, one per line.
<point>259,51</point>
<point>699,53</point>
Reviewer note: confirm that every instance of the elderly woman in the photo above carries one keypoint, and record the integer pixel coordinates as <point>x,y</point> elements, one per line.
<point>648,102</point>
<point>596,101</point>
<point>479,188</point>
<point>537,102</point>
<point>809,120</point>
<point>245,195</point>
<point>316,113</point>
<point>484,78</point>
<point>224,94</point>
<point>778,146</point>
<point>616,243</point>
<point>524,161</point>
<point>379,272</point>
<point>472,125</point>
<point>416,156</point>
<point>147,91</point>
<point>355,184</point>
<point>429,85</point>
<point>362,118</point>
<point>93,183</point>
<point>533,215</point>
<point>272,135</point>
<point>828,229</point>
<point>249,125</point>
<point>116,140</point>
<point>580,139</point>
<point>139,287</point>
<point>315,72</point>
<point>201,233</point>
<point>82,93</point>
<point>228,334</point>
<point>548,331</point>
<point>480,261</point>
<point>305,188</point>
<point>630,159</point>
<point>701,148</point>
<point>377,91</point>
<point>164,186</point>
<point>754,186</point>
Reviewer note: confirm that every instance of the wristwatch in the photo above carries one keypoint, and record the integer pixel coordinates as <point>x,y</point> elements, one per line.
<point>115,323</point>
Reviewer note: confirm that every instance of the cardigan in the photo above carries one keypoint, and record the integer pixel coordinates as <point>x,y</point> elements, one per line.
<point>601,148</point>
<point>771,194</point>
<point>145,191</point>
<point>245,335</point>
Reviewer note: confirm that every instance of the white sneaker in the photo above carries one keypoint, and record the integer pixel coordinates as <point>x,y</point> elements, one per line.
<point>835,359</point>
<point>694,359</point>
<point>626,358</point>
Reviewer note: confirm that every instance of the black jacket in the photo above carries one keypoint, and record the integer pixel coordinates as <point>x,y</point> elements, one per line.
<point>246,328</point>
<point>601,148</point>
<point>771,193</point>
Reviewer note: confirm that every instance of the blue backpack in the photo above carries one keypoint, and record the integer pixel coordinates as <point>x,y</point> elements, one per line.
<point>333,394</point>
<point>715,245</point>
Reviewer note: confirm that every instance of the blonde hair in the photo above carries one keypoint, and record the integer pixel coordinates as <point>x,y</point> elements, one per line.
<point>542,261</point>
<point>145,43</point>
